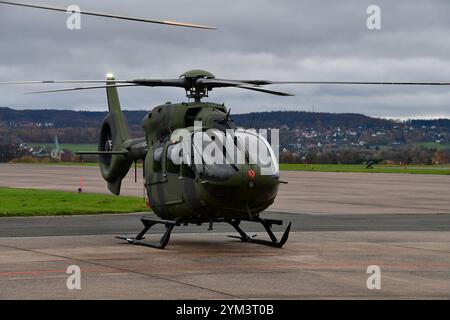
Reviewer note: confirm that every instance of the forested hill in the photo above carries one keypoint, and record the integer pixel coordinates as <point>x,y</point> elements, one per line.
<point>301,119</point>
<point>10,118</point>
<point>300,132</point>
<point>60,118</point>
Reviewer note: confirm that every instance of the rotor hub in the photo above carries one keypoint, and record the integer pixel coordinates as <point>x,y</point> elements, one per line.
<point>194,90</point>
<point>195,74</point>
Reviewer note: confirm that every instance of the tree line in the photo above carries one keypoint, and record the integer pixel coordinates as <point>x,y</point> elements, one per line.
<point>407,155</point>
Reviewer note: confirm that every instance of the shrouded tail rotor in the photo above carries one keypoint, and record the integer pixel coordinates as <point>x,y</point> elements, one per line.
<point>114,162</point>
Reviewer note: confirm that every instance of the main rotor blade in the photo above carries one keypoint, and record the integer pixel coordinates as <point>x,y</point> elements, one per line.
<point>250,84</point>
<point>143,82</point>
<point>277,93</point>
<point>216,83</point>
<point>64,81</point>
<point>268,82</point>
<point>85,88</point>
<point>179,83</point>
<point>219,83</point>
<point>107,15</point>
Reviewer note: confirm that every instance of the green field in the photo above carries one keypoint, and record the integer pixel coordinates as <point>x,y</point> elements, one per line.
<point>434,145</point>
<point>413,169</point>
<point>67,146</point>
<point>24,202</point>
<point>73,164</point>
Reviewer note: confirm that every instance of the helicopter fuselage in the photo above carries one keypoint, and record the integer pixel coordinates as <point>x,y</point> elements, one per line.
<point>189,192</point>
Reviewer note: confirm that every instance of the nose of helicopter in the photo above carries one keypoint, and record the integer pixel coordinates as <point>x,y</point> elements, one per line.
<point>258,187</point>
<point>247,190</point>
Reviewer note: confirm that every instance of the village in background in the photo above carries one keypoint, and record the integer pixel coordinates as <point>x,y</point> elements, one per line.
<point>305,137</point>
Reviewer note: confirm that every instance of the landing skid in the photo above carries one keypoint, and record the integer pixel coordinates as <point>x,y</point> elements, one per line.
<point>267,224</point>
<point>148,223</point>
<point>244,237</point>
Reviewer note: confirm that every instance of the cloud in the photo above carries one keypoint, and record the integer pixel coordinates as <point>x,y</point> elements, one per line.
<point>290,39</point>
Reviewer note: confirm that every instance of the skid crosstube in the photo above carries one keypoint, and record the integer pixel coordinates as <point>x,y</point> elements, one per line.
<point>243,236</point>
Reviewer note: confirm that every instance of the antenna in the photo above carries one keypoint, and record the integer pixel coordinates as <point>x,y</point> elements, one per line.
<point>228,114</point>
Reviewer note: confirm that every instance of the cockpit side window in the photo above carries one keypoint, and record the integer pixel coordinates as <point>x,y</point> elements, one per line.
<point>212,149</point>
<point>157,157</point>
<point>171,167</point>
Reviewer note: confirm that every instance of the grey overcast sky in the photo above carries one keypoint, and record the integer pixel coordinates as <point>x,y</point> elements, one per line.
<point>266,39</point>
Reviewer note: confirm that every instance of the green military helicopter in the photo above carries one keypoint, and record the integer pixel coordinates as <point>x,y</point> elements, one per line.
<point>189,192</point>
<point>183,193</point>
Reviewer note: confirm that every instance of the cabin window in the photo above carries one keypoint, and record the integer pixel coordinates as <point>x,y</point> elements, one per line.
<point>171,165</point>
<point>157,157</point>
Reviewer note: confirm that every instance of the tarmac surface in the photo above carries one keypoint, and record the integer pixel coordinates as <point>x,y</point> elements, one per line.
<point>120,224</point>
<point>312,265</point>
<point>342,224</point>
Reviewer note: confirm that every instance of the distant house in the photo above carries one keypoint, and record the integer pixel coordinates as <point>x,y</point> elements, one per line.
<point>54,154</point>
<point>41,153</point>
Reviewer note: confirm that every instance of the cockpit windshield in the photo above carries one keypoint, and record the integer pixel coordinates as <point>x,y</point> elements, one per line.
<point>258,151</point>
<point>221,154</point>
